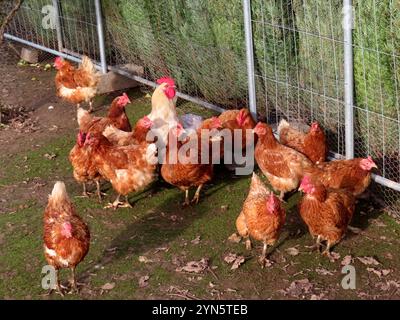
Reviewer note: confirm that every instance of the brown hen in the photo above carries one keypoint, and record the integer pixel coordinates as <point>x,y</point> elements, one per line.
<point>326,212</point>
<point>261,218</point>
<point>283,166</point>
<point>191,172</point>
<point>116,116</point>
<point>76,85</point>
<point>128,168</point>
<point>84,168</point>
<point>311,144</point>
<point>353,175</point>
<point>66,236</point>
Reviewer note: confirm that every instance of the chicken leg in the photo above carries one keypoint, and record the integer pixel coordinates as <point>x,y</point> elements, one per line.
<point>263,255</point>
<point>317,245</point>
<point>73,281</point>
<point>196,197</point>
<point>99,193</point>
<point>248,243</point>
<point>187,201</point>
<point>59,287</point>
<point>327,251</point>
<point>85,194</point>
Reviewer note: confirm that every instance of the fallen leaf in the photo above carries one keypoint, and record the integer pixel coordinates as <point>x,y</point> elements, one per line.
<point>299,287</point>
<point>234,259</point>
<point>324,272</point>
<point>50,156</point>
<point>368,261</point>
<point>389,256</point>
<point>239,260</point>
<point>144,281</point>
<point>377,272</point>
<point>346,260</point>
<point>108,286</point>
<point>165,249</point>
<point>194,266</point>
<point>292,251</point>
<point>317,297</point>
<point>230,258</point>
<point>144,259</point>
<point>235,238</point>
<point>196,240</point>
<point>385,272</point>
<point>334,256</point>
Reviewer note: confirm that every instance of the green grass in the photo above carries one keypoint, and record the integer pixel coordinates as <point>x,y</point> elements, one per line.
<point>158,220</point>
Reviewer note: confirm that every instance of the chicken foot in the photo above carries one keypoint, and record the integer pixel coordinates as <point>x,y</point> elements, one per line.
<point>317,246</point>
<point>59,288</point>
<point>196,197</point>
<point>327,251</point>
<point>74,283</point>
<point>119,204</point>
<point>85,193</point>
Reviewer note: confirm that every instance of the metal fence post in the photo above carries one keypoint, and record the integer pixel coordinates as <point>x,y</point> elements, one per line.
<point>56,6</point>
<point>348,77</point>
<point>250,57</point>
<point>100,32</point>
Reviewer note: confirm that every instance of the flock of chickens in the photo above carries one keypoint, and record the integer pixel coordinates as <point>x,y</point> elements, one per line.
<point>107,148</point>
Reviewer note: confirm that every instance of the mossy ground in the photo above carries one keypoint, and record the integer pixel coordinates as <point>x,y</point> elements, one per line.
<point>159,229</point>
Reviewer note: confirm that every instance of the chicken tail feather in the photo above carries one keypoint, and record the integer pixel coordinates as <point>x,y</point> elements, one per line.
<point>59,192</point>
<point>282,125</point>
<point>88,67</point>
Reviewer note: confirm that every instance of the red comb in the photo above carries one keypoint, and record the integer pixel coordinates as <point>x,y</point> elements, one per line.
<point>167,80</point>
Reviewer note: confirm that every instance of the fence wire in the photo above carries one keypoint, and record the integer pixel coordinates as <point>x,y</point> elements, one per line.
<point>187,40</point>
<point>298,53</point>
<point>377,81</point>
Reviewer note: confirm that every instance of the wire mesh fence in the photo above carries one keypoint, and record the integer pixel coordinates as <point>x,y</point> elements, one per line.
<point>186,40</point>
<point>298,59</point>
<point>377,81</point>
<point>28,23</point>
<point>299,52</point>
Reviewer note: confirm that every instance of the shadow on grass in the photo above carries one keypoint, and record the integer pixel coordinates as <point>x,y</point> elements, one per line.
<point>154,229</point>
